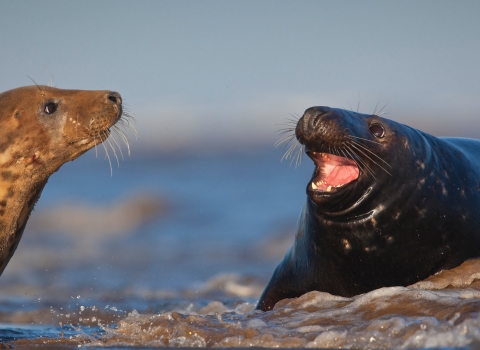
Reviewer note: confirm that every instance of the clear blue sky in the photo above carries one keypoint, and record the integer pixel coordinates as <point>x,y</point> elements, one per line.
<point>229,71</point>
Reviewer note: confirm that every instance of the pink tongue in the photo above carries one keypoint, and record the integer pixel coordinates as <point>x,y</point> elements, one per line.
<point>335,171</point>
<point>341,174</point>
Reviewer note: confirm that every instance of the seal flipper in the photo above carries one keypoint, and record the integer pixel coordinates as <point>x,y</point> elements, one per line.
<point>288,279</point>
<point>280,285</point>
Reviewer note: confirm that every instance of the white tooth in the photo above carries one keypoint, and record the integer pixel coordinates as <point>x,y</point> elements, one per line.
<point>314,186</point>
<point>329,188</point>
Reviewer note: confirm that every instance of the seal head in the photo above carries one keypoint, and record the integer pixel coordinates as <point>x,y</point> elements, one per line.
<point>387,205</point>
<point>42,128</point>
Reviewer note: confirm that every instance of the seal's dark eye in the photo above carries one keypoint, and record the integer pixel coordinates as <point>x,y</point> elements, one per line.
<point>377,130</point>
<point>50,108</point>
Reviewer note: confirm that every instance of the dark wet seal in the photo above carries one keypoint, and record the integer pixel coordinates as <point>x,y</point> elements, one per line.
<point>388,205</point>
<point>41,128</point>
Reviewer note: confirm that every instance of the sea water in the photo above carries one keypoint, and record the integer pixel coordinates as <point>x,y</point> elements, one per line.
<point>174,250</point>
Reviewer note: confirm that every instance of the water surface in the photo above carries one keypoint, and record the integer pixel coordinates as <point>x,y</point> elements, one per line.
<point>175,250</point>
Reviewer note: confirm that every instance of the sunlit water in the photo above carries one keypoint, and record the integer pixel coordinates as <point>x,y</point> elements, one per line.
<point>175,251</point>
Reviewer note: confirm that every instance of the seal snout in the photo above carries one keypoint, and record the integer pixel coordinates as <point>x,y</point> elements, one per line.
<point>324,132</point>
<point>314,115</point>
<point>319,125</point>
<point>114,97</point>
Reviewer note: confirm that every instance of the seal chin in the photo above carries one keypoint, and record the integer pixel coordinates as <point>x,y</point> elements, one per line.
<point>92,140</point>
<point>332,173</point>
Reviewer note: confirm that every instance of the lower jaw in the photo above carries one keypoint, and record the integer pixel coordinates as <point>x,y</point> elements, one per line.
<point>323,189</point>
<point>316,193</point>
<point>93,140</point>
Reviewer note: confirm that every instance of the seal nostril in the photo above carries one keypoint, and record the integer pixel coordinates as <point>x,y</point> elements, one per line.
<point>316,120</point>
<point>115,97</point>
<point>312,120</point>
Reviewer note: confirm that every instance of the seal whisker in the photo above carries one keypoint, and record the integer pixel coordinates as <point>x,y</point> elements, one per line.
<point>354,145</point>
<point>124,138</point>
<point>115,141</point>
<point>351,108</point>
<point>132,128</point>
<point>106,153</point>
<point>128,113</point>
<point>344,154</point>
<point>284,126</point>
<point>289,122</point>
<point>375,110</point>
<point>351,156</point>
<point>95,142</point>
<point>41,91</point>
<point>113,149</point>
<point>287,126</point>
<point>128,126</point>
<point>285,131</point>
<point>359,150</point>
<point>380,111</point>
<point>285,135</point>
<point>289,152</point>
<point>284,144</point>
<point>296,144</point>
<point>302,151</point>
<point>286,154</point>
<point>284,141</point>
<point>127,120</point>
<point>372,153</point>
<point>365,165</point>
<point>360,138</point>
<point>336,151</point>
<point>299,156</point>
<point>50,77</point>
<point>294,121</point>
<point>356,162</point>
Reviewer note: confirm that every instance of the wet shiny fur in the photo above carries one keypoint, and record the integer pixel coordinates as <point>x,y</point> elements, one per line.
<point>413,211</point>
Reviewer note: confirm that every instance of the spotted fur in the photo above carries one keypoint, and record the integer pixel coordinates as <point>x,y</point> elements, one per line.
<point>35,142</point>
<point>412,212</point>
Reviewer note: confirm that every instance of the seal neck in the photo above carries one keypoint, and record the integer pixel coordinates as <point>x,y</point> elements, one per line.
<point>18,195</point>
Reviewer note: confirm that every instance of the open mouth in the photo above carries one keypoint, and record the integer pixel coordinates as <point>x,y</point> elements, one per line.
<point>332,171</point>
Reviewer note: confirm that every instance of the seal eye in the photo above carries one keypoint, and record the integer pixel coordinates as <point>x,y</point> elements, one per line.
<point>49,108</point>
<point>377,130</point>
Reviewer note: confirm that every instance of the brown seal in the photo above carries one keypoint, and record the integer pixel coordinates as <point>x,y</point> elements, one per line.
<point>42,128</point>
